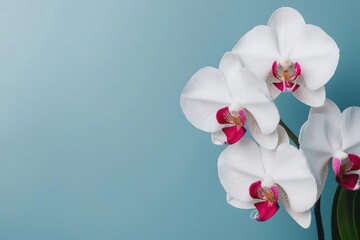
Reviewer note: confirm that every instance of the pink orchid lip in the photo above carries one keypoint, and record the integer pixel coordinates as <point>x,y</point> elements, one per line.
<point>234,123</point>
<point>287,75</point>
<point>343,166</point>
<point>268,205</point>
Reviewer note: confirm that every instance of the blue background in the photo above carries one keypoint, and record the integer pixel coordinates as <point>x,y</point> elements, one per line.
<point>93,143</point>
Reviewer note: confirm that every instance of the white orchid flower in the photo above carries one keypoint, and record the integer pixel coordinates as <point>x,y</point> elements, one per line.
<point>255,177</point>
<point>290,56</point>
<point>221,101</point>
<point>328,135</point>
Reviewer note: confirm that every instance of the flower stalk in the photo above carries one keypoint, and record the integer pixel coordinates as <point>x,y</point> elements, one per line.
<point>292,136</point>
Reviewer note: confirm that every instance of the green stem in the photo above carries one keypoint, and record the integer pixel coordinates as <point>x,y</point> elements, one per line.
<point>319,225</point>
<point>292,136</point>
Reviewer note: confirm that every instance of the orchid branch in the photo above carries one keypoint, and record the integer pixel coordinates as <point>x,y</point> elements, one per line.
<point>317,209</point>
<point>292,136</point>
<point>319,225</point>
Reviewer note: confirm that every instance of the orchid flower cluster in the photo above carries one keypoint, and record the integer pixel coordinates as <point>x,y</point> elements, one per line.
<point>285,56</point>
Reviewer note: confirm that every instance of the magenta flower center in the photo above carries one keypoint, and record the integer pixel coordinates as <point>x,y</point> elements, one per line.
<point>344,166</point>
<point>234,118</point>
<point>286,75</point>
<point>268,196</point>
<point>232,123</point>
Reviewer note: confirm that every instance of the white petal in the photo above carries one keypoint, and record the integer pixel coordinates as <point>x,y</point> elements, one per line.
<point>274,91</point>
<point>250,92</point>
<point>229,66</point>
<point>244,87</point>
<point>239,166</point>
<point>302,218</point>
<point>218,138</point>
<point>318,141</point>
<point>330,110</point>
<point>317,54</point>
<point>294,176</point>
<point>313,98</point>
<point>268,141</point>
<point>269,156</point>
<point>204,94</point>
<point>323,176</point>
<point>266,115</point>
<point>333,114</point>
<point>269,161</point>
<point>257,50</point>
<point>242,83</point>
<point>239,204</point>
<point>283,136</point>
<point>286,22</point>
<point>350,129</point>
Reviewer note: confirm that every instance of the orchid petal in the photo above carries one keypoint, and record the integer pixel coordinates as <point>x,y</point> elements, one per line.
<point>302,218</point>
<point>286,22</point>
<point>350,130</point>
<point>266,210</point>
<point>250,92</point>
<point>239,78</point>
<point>273,90</point>
<point>229,65</point>
<point>219,137</point>
<point>336,165</point>
<point>318,55</point>
<point>265,114</point>
<point>355,161</point>
<point>330,110</point>
<point>233,133</point>
<point>268,141</point>
<point>239,204</point>
<point>257,50</point>
<point>324,172</point>
<point>254,189</point>
<point>220,115</point>
<point>239,165</point>
<point>313,98</point>
<point>348,181</point>
<point>318,141</point>
<point>283,136</point>
<point>204,94</point>
<point>269,160</point>
<point>245,88</point>
<point>294,176</point>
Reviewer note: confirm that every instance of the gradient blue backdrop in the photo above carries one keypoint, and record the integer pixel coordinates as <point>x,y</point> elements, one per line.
<point>93,141</point>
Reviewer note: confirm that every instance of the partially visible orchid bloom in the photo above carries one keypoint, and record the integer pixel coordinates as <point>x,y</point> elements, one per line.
<point>221,101</point>
<point>329,135</point>
<point>255,177</point>
<point>290,56</point>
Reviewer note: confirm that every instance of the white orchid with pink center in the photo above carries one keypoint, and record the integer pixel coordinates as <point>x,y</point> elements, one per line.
<point>287,56</point>
<point>290,56</point>
<point>329,135</point>
<point>255,177</point>
<point>221,101</point>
